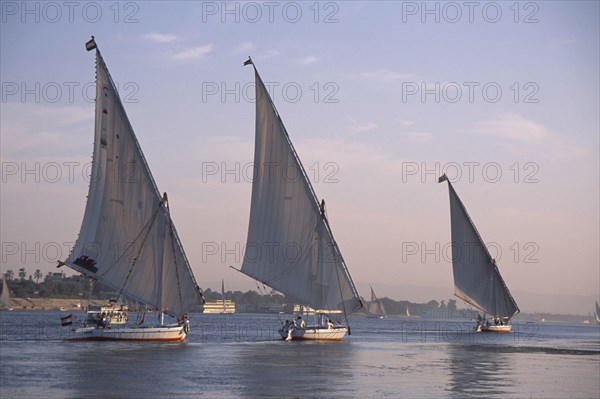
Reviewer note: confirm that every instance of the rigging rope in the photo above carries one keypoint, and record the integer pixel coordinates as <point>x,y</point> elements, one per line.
<point>176,266</point>
<point>172,234</point>
<point>140,250</point>
<point>337,272</point>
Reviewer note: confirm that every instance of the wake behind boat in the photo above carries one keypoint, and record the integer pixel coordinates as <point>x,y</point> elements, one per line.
<point>477,279</point>
<point>290,245</point>
<point>127,239</point>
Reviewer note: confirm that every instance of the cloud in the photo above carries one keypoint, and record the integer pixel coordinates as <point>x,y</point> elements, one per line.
<point>362,127</point>
<point>525,137</point>
<point>566,42</point>
<point>269,54</point>
<point>419,137</point>
<point>34,129</point>
<point>192,53</point>
<point>159,37</point>
<point>513,127</point>
<point>244,47</point>
<point>385,76</point>
<point>311,59</point>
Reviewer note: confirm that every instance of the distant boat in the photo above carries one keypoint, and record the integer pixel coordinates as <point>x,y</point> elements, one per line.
<point>290,242</point>
<point>597,313</point>
<point>5,301</point>
<point>375,307</point>
<point>407,312</point>
<point>127,239</point>
<point>477,279</point>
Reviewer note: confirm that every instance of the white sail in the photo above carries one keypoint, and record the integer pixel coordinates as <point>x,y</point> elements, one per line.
<point>290,246</point>
<point>127,239</point>
<point>375,305</point>
<point>477,279</point>
<point>597,314</point>
<point>5,300</point>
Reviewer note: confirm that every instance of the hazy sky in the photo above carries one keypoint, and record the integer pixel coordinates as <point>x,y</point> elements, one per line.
<point>379,99</point>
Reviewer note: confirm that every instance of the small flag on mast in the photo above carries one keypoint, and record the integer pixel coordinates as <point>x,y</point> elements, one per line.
<point>66,321</point>
<point>248,61</point>
<point>90,45</point>
<point>442,178</point>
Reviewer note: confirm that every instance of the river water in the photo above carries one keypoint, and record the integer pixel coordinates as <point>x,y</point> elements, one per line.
<point>232,356</point>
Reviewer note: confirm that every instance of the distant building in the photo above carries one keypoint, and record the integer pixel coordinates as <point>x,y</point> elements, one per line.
<point>450,314</point>
<point>219,307</point>
<point>55,277</point>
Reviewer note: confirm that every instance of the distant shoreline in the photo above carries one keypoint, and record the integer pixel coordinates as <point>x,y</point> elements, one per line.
<point>70,304</point>
<point>53,303</point>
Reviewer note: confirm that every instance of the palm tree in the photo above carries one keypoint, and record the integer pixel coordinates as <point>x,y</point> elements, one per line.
<point>452,304</point>
<point>37,275</point>
<point>9,274</point>
<point>22,273</point>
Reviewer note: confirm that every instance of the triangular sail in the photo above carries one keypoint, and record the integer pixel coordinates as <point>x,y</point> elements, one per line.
<point>477,279</point>
<point>5,297</point>
<point>290,246</point>
<point>375,305</point>
<point>127,239</point>
<point>597,314</point>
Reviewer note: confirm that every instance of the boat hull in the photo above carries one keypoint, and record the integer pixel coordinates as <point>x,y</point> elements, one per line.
<point>495,329</point>
<point>314,334</point>
<point>164,333</point>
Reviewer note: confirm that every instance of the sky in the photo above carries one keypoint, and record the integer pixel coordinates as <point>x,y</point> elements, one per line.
<point>379,99</point>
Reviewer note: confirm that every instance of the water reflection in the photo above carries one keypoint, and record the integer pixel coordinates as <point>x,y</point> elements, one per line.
<point>295,369</point>
<point>479,370</point>
<point>238,356</point>
<point>123,369</point>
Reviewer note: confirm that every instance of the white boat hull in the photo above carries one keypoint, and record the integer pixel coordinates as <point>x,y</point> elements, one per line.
<point>164,333</point>
<point>314,334</point>
<point>494,328</point>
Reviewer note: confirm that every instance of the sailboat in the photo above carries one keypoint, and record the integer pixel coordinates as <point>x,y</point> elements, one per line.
<point>127,239</point>
<point>290,245</point>
<point>477,279</point>
<point>376,308</point>
<point>5,301</point>
<point>597,313</point>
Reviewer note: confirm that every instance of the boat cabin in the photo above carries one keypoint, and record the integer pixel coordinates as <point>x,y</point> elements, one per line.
<point>106,315</point>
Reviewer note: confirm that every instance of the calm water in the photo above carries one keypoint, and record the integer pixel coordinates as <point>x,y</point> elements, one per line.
<point>241,356</point>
